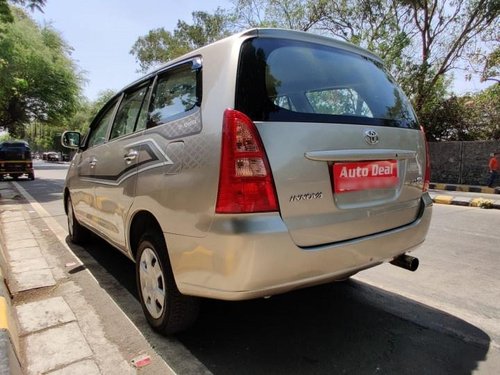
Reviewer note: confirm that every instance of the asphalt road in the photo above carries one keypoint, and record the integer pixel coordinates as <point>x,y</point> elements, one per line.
<point>442,319</point>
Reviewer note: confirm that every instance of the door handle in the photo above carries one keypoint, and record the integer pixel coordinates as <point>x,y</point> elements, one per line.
<point>93,162</point>
<point>131,156</point>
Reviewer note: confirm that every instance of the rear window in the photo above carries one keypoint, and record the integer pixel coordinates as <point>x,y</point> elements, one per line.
<point>14,151</point>
<point>286,80</point>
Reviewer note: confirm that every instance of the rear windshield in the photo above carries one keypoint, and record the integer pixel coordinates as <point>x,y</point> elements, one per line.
<point>14,151</point>
<point>286,80</point>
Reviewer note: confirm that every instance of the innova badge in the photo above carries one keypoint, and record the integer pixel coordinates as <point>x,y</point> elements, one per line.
<point>371,137</point>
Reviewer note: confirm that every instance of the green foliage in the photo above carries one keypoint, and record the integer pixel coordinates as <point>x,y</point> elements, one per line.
<point>160,45</point>
<point>5,137</point>
<point>6,13</point>
<point>491,69</point>
<point>467,118</point>
<point>483,111</point>
<point>445,33</point>
<point>86,111</point>
<point>37,77</point>
<point>301,15</point>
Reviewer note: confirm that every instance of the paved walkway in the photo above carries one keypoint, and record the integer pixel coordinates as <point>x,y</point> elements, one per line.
<point>50,327</point>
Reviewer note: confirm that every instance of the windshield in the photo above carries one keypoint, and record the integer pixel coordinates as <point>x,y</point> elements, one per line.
<point>287,80</point>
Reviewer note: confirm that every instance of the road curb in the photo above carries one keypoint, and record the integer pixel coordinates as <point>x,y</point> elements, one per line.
<point>466,202</point>
<point>9,332</point>
<point>464,188</point>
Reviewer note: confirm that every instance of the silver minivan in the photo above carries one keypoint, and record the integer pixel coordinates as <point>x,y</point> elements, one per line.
<point>268,161</point>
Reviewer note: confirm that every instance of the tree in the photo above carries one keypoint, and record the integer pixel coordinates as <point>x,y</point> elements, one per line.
<point>6,13</point>
<point>447,32</point>
<point>47,137</point>
<point>38,79</point>
<point>482,112</point>
<point>491,67</point>
<point>301,15</point>
<point>466,118</point>
<point>86,111</point>
<point>160,45</point>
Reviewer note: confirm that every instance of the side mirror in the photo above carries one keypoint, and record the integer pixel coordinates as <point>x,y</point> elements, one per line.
<point>71,139</point>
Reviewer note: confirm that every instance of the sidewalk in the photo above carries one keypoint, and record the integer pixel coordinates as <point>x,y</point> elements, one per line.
<point>49,340</point>
<point>47,325</point>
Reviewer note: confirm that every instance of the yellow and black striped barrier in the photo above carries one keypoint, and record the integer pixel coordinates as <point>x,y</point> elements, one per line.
<point>468,202</point>
<point>465,188</point>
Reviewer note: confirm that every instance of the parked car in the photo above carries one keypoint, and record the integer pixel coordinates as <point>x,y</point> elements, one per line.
<point>15,160</point>
<point>53,156</point>
<point>269,161</point>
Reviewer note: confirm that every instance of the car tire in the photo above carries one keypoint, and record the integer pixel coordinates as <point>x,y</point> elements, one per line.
<point>166,309</point>
<point>78,234</point>
<point>31,176</point>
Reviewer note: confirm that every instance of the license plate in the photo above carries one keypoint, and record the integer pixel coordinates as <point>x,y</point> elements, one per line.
<point>367,175</point>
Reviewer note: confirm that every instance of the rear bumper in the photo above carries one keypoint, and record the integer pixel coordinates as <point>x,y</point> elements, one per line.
<point>15,171</point>
<point>254,256</point>
<point>15,168</point>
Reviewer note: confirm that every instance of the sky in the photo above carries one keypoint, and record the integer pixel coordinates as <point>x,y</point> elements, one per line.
<point>102,32</point>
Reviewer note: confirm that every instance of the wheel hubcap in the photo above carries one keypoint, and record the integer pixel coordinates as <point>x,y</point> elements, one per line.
<point>152,283</point>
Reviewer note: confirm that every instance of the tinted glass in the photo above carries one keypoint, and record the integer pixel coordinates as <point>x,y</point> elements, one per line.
<point>175,94</point>
<point>98,131</point>
<point>14,151</point>
<point>128,113</point>
<point>286,80</point>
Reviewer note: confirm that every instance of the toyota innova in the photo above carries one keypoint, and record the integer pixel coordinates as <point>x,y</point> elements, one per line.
<point>268,161</point>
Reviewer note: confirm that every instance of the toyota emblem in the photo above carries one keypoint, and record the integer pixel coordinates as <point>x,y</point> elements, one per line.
<point>371,137</point>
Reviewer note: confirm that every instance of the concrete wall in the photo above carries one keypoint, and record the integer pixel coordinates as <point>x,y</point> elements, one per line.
<point>461,162</point>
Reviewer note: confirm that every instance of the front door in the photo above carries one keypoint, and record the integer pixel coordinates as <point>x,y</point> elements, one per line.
<point>116,166</point>
<point>82,180</point>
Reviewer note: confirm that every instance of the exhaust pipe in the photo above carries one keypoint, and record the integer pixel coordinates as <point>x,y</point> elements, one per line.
<point>406,261</point>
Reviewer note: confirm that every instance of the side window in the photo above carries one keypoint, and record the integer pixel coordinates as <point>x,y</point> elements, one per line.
<point>98,132</point>
<point>175,93</point>
<point>343,101</point>
<point>129,113</point>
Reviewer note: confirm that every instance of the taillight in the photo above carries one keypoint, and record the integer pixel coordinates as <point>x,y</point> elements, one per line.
<point>427,178</point>
<point>245,182</point>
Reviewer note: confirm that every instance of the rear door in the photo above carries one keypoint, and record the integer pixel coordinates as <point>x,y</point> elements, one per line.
<point>345,149</point>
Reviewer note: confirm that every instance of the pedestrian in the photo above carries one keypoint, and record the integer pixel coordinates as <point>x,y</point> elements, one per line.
<point>494,168</point>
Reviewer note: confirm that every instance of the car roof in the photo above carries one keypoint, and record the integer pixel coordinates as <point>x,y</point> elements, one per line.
<point>14,143</point>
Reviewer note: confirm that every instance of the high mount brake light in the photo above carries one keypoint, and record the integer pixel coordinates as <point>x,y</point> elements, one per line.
<point>245,183</point>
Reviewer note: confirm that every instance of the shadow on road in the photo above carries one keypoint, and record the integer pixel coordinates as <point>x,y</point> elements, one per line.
<point>347,327</point>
